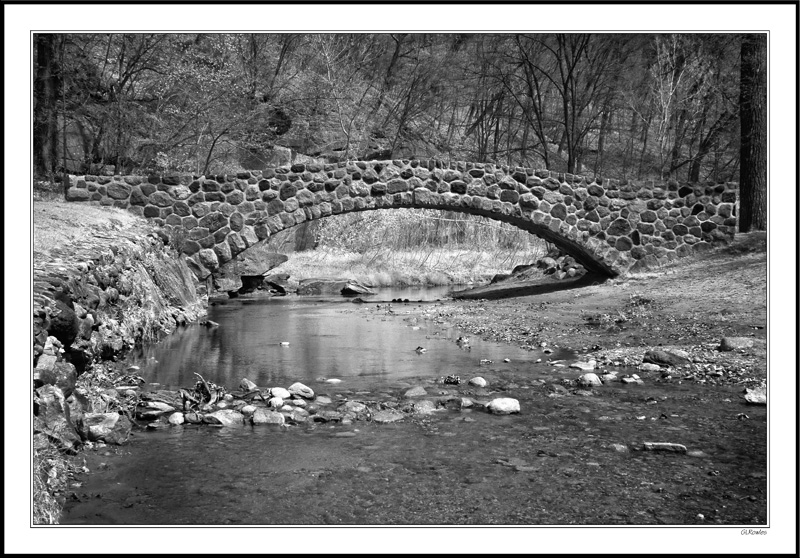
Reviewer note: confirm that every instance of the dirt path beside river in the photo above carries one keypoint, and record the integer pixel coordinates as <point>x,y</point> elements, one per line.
<point>691,305</point>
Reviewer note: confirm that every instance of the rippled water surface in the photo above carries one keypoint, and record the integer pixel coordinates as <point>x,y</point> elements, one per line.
<point>328,338</point>
<point>555,463</point>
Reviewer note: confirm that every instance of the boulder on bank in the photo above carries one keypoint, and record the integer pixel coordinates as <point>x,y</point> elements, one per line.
<point>111,428</point>
<point>49,371</point>
<point>150,410</point>
<point>666,357</point>
<point>281,283</point>
<point>51,417</point>
<point>333,287</point>
<point>257,261</point>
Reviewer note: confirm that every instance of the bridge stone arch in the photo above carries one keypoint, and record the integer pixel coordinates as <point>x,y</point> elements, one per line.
<point>611,227</point>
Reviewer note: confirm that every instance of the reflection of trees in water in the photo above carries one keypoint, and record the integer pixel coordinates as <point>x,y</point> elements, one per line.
<point>325,341</point>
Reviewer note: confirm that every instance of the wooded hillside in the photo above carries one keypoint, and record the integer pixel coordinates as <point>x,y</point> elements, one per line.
<point>624,106</point>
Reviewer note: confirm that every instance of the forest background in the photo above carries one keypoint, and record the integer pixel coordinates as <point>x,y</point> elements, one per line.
<point>627,106</point>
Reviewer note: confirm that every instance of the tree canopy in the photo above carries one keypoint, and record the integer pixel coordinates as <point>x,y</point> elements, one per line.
<point>661,106</point>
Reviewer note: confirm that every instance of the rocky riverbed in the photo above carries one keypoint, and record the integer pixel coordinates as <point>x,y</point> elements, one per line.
<point>107,285</point>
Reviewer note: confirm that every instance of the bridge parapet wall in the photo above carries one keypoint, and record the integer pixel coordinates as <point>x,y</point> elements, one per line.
<point>610,226</point>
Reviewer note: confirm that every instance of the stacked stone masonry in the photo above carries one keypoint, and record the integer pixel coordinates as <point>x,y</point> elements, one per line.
<point>610,226</point>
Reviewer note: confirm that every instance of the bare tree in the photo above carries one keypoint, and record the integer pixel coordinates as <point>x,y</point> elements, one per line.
<point>753,103</point>
<point>45,110</point>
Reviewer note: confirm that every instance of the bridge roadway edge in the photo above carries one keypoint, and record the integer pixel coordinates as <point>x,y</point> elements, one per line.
<point>612,227</point>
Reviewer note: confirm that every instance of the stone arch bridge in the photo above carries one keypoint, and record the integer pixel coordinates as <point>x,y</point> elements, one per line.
<point>610,226</point>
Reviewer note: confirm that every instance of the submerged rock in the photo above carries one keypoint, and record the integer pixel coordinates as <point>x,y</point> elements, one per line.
<point>424,407</point>
<point>353,407</point>
<point>417,391</point>
<point>387,416</point>
<point>734,343</point>
<point>649,367</point>
<point>263,416</point>
<point>328,416</point>
<point>665,446</point>
<point>297,416</point>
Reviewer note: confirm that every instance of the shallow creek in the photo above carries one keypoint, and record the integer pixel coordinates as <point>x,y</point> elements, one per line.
<point>570,459</point>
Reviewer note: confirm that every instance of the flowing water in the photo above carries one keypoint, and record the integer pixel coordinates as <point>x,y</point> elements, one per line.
<point>329,338</point>
<point>554,463</point>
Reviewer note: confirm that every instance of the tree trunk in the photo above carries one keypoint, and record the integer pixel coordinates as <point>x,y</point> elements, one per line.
<point>753,150</point>
<point>45,116</point>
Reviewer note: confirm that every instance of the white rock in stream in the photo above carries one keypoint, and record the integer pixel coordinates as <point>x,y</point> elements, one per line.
<point>283,393</point>
<point>227,417</point>
<point>587,366</point>
<point>756,396</point>
<point>275,403</point>
<point>477,381</point>
<point>302,390</point>
<point>589,380</point>
<point>176,419</point>
<point>247,385</point>
<point>503,406</point>
<point>158,406</point>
